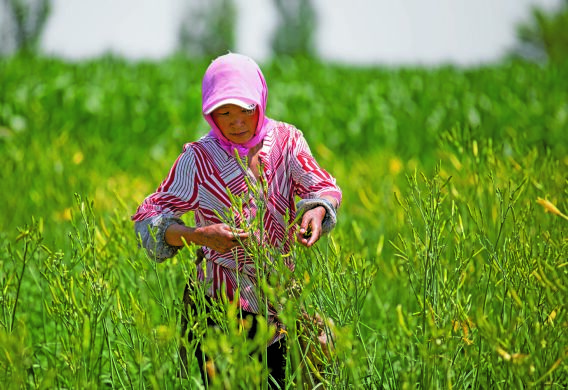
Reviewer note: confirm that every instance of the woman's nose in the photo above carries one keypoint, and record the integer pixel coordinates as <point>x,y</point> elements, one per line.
<point>237,120</point>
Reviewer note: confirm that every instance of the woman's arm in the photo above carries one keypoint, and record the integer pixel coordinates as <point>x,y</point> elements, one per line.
<point>320,194</point>
<point>177,194</point>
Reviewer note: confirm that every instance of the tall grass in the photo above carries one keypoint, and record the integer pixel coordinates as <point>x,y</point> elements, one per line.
<point>444,271</point>
<point>106,315</point>
<point>485,269</point>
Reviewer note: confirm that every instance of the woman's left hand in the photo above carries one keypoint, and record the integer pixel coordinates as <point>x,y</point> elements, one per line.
<point>310,228</point>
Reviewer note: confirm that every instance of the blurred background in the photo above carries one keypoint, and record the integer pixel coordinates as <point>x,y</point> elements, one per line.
<point>357,32</point>
<point>444,122</point>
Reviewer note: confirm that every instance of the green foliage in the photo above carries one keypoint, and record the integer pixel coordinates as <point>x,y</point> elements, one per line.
<point>546,35</point>
<point>482,285</point>
<point>443,270</point>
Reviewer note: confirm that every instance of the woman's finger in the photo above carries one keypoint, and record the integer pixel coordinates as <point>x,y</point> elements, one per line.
<point>315,233</point>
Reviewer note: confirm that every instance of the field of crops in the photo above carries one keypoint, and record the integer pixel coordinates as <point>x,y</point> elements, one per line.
<point>448,267</point>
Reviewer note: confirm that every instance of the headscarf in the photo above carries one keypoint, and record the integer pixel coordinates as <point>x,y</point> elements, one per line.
<point>235,78</point>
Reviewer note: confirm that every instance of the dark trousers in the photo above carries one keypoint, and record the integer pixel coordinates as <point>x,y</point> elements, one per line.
<point>275,353</point>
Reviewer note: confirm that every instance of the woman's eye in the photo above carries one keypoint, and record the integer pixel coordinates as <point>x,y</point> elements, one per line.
<point>248,112</point>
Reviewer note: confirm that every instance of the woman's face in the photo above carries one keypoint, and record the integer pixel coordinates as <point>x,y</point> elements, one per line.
<point>237,124</point>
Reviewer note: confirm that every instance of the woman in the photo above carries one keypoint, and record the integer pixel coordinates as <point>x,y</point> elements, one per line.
<point>234,96</point>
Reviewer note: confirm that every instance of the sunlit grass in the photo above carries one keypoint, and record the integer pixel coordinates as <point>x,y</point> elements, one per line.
<point>448,267</point>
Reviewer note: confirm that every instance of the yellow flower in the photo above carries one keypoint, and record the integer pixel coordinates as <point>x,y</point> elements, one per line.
<point>549,207</point>
<point>504,354</point>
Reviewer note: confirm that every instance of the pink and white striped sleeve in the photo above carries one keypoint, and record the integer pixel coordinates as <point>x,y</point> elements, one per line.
<point>175,196</point>
<point>311,180</point>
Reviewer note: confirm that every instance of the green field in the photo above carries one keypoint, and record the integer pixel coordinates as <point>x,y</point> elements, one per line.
<point>447,269</point>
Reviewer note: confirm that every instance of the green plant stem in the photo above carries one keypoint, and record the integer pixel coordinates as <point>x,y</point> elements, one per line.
<point>24,258</point>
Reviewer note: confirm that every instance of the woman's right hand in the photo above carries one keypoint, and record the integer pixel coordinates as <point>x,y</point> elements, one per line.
<point>220,237</point>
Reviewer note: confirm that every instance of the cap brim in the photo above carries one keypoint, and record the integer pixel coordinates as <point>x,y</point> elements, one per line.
<point>224,102</point>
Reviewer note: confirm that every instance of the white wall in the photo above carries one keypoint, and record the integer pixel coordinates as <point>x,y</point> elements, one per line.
<point>351,31</point>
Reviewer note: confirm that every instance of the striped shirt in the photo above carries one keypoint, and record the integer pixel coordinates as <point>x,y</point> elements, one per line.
<point>201,180</point>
